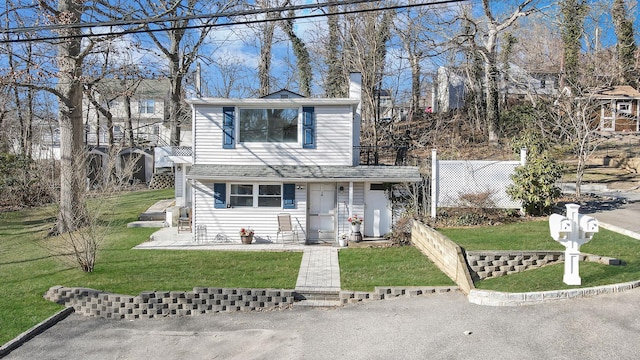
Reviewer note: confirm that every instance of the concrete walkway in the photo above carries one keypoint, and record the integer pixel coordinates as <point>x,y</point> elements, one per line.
<point>319,269</point>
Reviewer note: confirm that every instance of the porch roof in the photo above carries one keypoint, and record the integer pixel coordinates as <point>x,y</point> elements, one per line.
<point>618,92</point>
<point>304,173</point>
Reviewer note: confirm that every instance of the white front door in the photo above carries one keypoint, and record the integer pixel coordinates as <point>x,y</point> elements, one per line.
<point>322,205</point>
<point>377,212</point>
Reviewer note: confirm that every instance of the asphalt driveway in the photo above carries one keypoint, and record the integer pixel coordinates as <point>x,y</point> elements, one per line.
<point>428,327</point>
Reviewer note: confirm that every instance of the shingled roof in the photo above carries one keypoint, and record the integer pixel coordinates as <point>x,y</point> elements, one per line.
<point>304,173</point>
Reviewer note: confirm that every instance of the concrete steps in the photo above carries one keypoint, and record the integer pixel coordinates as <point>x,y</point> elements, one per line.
<point>152,216</point>
<point>149,224</point>
<point>317,298</point>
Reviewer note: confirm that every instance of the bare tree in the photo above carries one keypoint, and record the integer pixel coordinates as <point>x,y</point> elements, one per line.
<point>81,246</point>
<point>485,34</point>
<point>577,127</point>
<point>365,43</point>
<point>179,46</point>
<point>231,72</point>
<point>414,28</point>
<point>71,214</point>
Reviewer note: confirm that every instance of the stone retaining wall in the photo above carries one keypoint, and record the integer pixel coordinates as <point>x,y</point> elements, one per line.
<point>490,264</point>
<point>444,253</point>
<point>383,293</point>
<point>92,302</point>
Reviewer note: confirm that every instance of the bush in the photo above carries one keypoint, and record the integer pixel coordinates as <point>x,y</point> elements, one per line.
<point>22,182</point>
<point>535,183</point>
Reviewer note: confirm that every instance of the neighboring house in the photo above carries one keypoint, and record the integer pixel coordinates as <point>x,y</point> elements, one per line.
<point>619,110</point>
<point>522,84</point>
<point>284,153</point>
<point>448,90</point>
<point>142,100</point>
<point>450,87</point>
<point>384,101</point>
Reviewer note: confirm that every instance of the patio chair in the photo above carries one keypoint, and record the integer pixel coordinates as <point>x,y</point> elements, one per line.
<point>285,228</point>
<point>184,221</point>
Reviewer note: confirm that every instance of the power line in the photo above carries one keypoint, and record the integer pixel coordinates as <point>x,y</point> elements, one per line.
<point>207,16</point>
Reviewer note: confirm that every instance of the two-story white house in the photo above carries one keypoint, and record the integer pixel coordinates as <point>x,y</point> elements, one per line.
<point>284,153</point>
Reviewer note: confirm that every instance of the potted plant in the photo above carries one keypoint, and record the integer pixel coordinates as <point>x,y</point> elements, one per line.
<point>246,234</point>
<point>343,240</point>
<point>355,221</point>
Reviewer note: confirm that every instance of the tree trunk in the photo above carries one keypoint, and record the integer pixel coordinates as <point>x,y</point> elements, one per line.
<point>492,100</point>
<point>264,68</point>
<point>333,82</point>
<point>72,167</point>
<point>127,114</point>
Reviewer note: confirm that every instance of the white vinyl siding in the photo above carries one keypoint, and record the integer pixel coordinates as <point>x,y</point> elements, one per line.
<point>334,142</point>
<point>343,205</point>
<point>228,222</point>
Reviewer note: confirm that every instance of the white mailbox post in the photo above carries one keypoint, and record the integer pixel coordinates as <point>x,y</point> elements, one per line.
<point>572,231</point>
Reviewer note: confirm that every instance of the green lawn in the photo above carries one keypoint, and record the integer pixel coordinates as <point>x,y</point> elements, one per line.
<point>28,269</point>
<point>363,269</point>
<point>534,235</point>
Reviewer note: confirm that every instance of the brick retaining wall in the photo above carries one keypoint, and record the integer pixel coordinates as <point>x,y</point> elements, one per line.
<point>201,300</point>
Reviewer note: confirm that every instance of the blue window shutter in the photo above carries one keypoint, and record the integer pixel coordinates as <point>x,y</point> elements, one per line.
<point>228,128</point>
<point>288,196</point>
<point>220,195</point>
<point>308,128</point>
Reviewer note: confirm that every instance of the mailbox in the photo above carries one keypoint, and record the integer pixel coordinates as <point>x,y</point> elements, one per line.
<point>588,226</point>
<point>560,227</point>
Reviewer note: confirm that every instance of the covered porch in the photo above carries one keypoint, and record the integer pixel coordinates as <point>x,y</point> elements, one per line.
<point>319,200</point>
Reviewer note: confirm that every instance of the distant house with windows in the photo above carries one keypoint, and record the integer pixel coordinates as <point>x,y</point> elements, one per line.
<point>256,158</point>
<point>619,109</point>
<point>139,102</point>
<point>450,87</point>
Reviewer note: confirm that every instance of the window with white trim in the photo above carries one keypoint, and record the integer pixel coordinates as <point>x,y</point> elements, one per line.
<point>624,107</point>
<point>146,106</point>
<point>255,195</point>
<point>241,195</point>
<point>269,195</point>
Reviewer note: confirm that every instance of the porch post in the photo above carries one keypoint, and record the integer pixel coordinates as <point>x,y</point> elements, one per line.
<point>350,198</point>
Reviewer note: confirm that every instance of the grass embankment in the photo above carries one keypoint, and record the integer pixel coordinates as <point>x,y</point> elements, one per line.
<point>364,269</point>
<point>534,235</point>
<point>29,268</point>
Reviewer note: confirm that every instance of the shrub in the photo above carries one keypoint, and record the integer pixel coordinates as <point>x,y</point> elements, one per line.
<point>535,183</point>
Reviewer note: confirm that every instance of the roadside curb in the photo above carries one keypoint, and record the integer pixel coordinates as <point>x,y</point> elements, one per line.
<point>619,230</point>
<point>37,329</point>
<point>497,298</point>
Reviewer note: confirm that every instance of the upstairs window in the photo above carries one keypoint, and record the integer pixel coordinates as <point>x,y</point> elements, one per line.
<point>268,125</point>
<point>146,106</point>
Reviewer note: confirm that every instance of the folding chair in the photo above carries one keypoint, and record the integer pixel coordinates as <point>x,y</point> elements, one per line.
<point>184,221</point>
<point>286,228</point>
